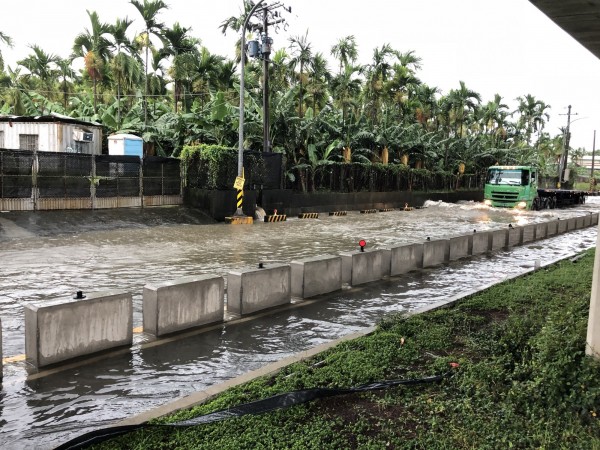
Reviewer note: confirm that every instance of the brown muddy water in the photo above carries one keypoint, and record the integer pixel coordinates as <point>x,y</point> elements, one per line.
<point>50,255</point>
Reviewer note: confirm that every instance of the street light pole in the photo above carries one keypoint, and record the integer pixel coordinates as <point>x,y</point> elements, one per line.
<point>239,211</point>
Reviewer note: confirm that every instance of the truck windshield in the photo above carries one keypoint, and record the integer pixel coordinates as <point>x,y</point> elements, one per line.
<point>507,176</point>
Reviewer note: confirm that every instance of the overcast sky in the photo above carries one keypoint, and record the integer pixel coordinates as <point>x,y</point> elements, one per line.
<point>507,47</point>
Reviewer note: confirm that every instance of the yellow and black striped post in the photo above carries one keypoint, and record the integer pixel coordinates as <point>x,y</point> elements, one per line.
<point>240,199</point>
<point>239,217</point>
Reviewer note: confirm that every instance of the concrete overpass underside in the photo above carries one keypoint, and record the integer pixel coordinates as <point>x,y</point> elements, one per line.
<point>579,18</point>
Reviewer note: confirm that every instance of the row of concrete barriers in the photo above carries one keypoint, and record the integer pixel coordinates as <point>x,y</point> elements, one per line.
<point>60,330</point>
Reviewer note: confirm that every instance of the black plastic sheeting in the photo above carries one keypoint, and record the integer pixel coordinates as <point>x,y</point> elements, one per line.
<point>64,175</point>
<point>162,176</point>
<point>15,173</point>
<point>118,176</point>
<point>280,401</point>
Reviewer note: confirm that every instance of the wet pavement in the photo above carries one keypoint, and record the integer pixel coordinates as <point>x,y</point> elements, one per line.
<point>50,256</point>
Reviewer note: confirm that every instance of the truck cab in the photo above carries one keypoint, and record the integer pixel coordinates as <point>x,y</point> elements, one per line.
<point>511,187</point>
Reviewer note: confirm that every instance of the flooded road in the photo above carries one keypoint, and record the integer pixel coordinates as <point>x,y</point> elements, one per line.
<point>44,257</point>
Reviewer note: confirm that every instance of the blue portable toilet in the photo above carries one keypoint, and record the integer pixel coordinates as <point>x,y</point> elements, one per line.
<point>125,144</point>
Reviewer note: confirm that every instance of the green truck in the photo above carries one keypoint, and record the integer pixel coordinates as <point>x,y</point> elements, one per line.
<point>517,187</point>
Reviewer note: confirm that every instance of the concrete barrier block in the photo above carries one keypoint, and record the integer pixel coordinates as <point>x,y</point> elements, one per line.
<point>316,276</point>
<point>498,239</point>
<point>253,290</point>
<point>481,243</point>
<point>552,228</point>
<point>562,226</point>
<point>386,262</point>
<point>580,222</point>
<point>541,230</point>
<point>572,224</point>
<point>406,258</point>
<point>436,252</point>
<point>587,221</point>
<point>460,247</point>
<point>183,303</point>
<point>364,266</point>
<point>528,233</point>
<point>60,330</point>
<point>595,219</point>
<point>515,236</point>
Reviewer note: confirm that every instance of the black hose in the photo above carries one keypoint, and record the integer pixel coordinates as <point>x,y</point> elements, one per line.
<point>279,401</point>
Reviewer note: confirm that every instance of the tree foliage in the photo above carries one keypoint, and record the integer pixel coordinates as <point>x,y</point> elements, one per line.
<point>161,83</point>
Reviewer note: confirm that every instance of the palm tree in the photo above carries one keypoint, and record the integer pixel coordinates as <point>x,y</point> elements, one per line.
<point>346,89</point>
<point>302,57</point>
<point>124,65</point>
<point>17,97</point>
<point>66,72</point>
<point>8,41</point>
<point>378,73</point>
<point>184,51</point>
<point>460,103</point>
<point>149,11</point>
<point>41,65</point>
<point>345,51</point>
<point>94,47</point>
<point>208,68</point>
<point>533,115</point>
<point>493,116</point>
<point>318,82</point>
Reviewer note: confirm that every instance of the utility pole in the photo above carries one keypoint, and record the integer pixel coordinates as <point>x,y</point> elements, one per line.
<point>592,179</point>
<point>271,16</point>
<point>255,50</point>
<point>562,165</point>
<point>266,51</point>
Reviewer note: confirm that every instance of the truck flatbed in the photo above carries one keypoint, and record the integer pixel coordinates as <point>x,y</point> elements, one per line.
<point>553,198</point>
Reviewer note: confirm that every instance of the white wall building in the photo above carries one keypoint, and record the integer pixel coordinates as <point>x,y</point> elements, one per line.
<point>53,133</point>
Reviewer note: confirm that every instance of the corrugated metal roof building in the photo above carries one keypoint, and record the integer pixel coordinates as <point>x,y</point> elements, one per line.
<point>52,133</point>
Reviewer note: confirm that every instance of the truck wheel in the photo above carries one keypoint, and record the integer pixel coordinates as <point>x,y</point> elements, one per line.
<point>535,206</point>
<point>552,203</point>
<point>545,203</point>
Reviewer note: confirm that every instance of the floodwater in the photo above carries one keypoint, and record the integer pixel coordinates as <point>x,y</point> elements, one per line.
<point>51,255</point>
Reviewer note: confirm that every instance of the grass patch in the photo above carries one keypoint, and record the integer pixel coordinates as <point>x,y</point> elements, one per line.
<point>524,380</point>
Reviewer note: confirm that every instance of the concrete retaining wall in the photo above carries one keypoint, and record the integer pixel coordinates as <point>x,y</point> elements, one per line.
<point>183,303</point>
<point>362,267</point>
<point>515,236</point>
<point>406,258</point>
<point>61,330</point>
<point>587,221</point>
<point>562,226</point>
<point>316,276</point>
<point>552,228</point>
<point>481,243</point>
<point>528,233</point>
<point>571,224</point>
<point>498,239</point>
<point>460,247</point>
<point>595,219</point>
<point>580,223</point>
<point>253,290</point>
<point>541,230</point>
<point>386,262</point>
<point>436,252</point>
